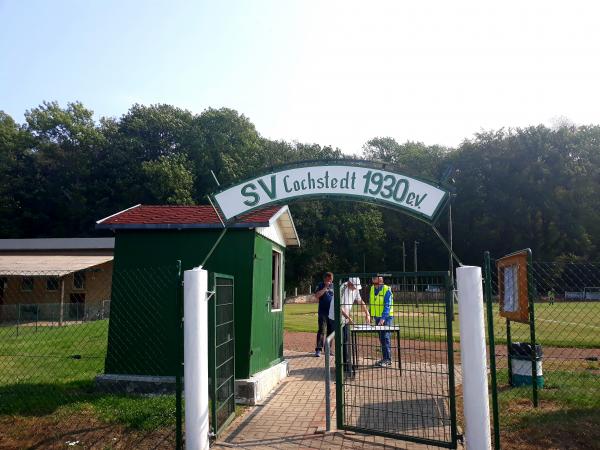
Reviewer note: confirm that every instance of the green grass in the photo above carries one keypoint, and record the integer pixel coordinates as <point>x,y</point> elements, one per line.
<point>52,371</point>
<point>569,401</point>
<point>574,324</point>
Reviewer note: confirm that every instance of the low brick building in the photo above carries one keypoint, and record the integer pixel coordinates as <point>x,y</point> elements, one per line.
<point>55,279</point>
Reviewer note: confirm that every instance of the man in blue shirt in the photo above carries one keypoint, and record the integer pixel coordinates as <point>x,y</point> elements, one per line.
<point>324,294</point>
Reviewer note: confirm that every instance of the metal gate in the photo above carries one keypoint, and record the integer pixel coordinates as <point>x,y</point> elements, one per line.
<point>395,376</point>
<point>221,351</point>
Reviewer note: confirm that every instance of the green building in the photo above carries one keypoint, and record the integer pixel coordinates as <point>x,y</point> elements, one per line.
<point>148,242</point>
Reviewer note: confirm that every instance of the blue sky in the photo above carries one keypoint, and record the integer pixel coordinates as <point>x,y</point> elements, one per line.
<point>334,73</point>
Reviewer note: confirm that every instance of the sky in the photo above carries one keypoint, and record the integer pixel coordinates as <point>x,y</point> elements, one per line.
<point>329,72</point>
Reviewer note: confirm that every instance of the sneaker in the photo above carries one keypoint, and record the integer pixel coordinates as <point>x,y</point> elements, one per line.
<point>318,353</point>
<point>383,363</point>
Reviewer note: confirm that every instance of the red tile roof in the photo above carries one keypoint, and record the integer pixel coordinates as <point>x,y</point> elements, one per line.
<point>167,215</point>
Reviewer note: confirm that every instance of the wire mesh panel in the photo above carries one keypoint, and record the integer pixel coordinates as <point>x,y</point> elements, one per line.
<point>547,368</point>
<point>85,359</point>
<point>221,352</point>
<point>395,360</point>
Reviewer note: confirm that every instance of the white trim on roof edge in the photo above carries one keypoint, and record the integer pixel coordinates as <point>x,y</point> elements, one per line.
<point>117,213</point>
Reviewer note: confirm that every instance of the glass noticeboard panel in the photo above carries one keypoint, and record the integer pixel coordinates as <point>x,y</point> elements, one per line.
<point>513,286</point>
<point>511,292</point>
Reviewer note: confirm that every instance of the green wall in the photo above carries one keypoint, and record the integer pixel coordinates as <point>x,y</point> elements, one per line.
<point>142,339</point>
<point>267,326</point>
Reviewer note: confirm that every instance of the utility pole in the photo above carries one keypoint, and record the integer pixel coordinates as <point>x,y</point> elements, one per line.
<point>416,268</point>
<point>416,244</point>
<point>403,266</point>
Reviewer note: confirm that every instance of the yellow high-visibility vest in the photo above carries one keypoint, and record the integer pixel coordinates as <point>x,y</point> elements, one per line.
<point>376,302</point>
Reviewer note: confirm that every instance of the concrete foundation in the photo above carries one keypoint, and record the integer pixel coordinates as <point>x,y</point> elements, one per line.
<point>135,384</point>
<point>254,390</point>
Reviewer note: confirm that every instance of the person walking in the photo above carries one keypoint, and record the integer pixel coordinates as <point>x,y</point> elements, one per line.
<point>349,295</point>
<point>324,294</point>
<point>551,296</point>
<point>381,306</point>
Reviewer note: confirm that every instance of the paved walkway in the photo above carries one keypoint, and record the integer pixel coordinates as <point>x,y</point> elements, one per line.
<point>291,417</point>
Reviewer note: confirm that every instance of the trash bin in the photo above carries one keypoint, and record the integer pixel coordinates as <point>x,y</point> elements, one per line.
<point>520,363</point>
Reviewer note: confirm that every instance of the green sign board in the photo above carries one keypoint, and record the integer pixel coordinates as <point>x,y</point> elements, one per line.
<point>362,181</point>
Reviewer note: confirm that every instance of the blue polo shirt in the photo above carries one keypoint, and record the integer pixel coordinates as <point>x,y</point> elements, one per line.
<point>325,299</point>
<point>387,301</point>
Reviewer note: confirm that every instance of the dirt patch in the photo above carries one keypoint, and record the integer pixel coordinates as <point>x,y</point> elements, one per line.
<point>82,431</point>
<point>567,432</point>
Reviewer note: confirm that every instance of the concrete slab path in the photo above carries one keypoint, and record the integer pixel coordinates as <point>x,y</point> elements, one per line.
<point>294,413</point>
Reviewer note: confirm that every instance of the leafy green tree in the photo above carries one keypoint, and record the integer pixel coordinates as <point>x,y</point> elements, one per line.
<point>63,142</point>
<point>13,157</point>
<point>226,143</point>
<point>169,180</point>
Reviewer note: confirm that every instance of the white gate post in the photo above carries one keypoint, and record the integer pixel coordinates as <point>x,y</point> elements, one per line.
<point>195,344</point>
<point>473,358</point>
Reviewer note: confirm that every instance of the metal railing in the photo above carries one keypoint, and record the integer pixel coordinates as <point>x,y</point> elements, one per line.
<point>328,381</point>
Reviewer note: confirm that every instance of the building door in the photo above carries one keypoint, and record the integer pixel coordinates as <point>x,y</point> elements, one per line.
<point>76,306</point>
<point>395,375</point>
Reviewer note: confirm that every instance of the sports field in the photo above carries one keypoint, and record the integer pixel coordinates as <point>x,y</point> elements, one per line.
<point>572,324</point>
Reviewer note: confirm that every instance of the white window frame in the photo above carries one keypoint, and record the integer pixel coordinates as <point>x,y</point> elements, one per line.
<point>280,272</point>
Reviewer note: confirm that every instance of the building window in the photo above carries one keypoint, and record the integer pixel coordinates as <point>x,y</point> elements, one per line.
<point>52,284</point>
<point>79,280</point>
<point>27,284</point>
<point>276,292</point>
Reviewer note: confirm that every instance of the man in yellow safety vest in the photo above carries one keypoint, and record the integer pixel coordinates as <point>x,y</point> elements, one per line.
<point>381,307</point>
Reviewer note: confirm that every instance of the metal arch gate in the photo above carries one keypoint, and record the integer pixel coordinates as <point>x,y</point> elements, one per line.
<point>221,351</point>
<point>412,399</point>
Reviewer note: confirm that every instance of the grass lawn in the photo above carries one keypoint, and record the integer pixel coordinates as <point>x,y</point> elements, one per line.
<point>573,324</point>
<point>567,417</point>
<point>52,371</point>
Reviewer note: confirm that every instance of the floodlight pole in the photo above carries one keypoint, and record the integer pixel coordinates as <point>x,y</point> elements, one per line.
<point>415,287</point>
<point>403,265</point>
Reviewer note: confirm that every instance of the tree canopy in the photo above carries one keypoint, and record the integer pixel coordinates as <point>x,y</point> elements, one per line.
<point>537,187</point>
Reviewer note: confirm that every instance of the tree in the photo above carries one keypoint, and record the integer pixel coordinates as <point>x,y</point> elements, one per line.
<point>62,144</point>
<point>13,153</point>
<point>169,180</point>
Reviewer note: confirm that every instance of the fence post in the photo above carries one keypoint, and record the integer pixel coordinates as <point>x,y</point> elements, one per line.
<point>492,346</point>
<point>531,300</point>
<point>473,357</point>
<point>179,331</point>
<point>195,337</point>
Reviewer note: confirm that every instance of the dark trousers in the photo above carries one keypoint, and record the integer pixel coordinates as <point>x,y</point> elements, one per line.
<point>385,339</point>
<point>346,348</point>
<point>325,329</point>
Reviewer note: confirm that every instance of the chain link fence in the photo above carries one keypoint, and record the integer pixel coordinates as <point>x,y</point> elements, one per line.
<point>558,400</point>
<point>90,359</point>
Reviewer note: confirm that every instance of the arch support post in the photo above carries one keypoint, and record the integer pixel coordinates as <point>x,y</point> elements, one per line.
<point>473,357</point>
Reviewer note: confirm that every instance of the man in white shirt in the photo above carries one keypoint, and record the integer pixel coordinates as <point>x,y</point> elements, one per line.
<point>349,295</point>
